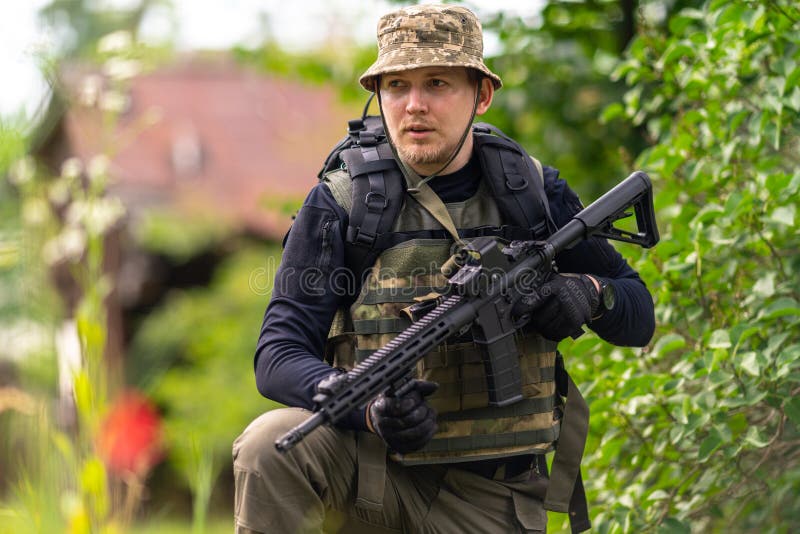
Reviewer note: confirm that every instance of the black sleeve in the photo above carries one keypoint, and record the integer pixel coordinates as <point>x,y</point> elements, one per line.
<point>306,294</point>
<point>632,320</point>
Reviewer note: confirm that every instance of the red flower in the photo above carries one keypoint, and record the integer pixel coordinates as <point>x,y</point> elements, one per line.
<point>130,436</point>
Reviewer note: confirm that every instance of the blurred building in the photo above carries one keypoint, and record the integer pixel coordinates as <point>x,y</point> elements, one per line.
<point>204,139</point>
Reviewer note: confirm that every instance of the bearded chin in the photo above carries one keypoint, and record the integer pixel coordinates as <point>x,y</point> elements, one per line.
<point>422,155</point>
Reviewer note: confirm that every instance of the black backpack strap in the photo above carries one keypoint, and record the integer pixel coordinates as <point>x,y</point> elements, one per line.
<point>377,193</point>
<point>516,183</point>
<point>333,160</point>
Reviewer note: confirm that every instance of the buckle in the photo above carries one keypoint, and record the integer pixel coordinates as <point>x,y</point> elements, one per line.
<point>519,186</point>
<point>362,238</point>
<point>354,126</point>
<point>367,138</point>
<point>379,205</point>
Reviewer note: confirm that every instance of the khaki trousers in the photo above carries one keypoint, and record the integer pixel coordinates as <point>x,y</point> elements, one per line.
<point>312,488</point>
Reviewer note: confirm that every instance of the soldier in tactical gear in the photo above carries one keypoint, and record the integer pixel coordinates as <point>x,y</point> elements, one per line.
<point>438,458</point>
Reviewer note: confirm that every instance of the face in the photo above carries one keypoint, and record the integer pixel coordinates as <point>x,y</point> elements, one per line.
<point>427,110</point>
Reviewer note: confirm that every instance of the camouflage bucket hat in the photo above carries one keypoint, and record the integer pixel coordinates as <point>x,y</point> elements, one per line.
<point>428,35</point>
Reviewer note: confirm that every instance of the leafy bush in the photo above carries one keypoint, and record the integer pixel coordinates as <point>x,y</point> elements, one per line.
<point>700,431</point>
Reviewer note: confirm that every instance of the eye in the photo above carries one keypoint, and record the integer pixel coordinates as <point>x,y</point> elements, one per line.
<point>438,82</point>
<point>394,84</point>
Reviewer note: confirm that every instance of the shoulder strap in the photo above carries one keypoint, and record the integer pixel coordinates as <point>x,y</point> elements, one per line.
<point>378,188</point>
<point>354,127</point>
<point>516,180</point>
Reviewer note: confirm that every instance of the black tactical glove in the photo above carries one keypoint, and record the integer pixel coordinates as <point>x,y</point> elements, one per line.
<point>405,423</point>
<point>560,306</point>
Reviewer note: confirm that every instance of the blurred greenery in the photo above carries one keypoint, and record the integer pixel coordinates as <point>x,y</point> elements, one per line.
<point>698,431</point>
<point>191,356</point>
<point>179,236</point>
<point>78,25</point>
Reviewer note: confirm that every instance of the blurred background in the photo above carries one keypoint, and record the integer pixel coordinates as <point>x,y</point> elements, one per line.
<point>153,152</point>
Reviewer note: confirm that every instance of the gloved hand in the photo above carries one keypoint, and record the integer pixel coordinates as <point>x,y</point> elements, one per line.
<point>405,423</point>
<point>560,306</point>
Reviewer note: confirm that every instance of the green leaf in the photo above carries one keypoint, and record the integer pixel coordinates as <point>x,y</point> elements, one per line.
<point>669,342</point>
<point>742,332</point>
<point>612,111</point>
<point>680,22</point>
<point>673,526</point>
<point>784,215</point>
<point>792,410</point>
<point>658,495</point>
<point>793,99</point>
<point>754,438</point>
<point>720,339</point>
<point>709,445</point>
<point>676,51</point>
<point>749,364</point>
<point>781,307</point>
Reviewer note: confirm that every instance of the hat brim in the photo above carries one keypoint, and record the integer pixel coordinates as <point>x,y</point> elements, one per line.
<point>408,58</point>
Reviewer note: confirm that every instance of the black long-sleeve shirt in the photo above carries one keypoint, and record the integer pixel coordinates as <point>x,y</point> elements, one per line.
<point>288,359</point>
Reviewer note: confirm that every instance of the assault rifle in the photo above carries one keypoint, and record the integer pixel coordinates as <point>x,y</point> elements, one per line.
<point>490,279</point>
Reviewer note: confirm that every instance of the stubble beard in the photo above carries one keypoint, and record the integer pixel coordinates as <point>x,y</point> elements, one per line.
<point>421,154</point>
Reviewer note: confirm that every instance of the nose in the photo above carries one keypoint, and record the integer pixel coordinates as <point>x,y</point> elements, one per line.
<point>416,101</point>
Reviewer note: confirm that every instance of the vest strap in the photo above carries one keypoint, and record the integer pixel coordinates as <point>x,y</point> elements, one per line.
<point>400,294</point>
<point>569,452</point>
<point>469,386</point>
<point>369,167</point>
<point>506,232</point>
<point>524,438</point>
<point>429,200</point>
<point>389,325</point>
<point>524,407</point>
<point>452,355</point>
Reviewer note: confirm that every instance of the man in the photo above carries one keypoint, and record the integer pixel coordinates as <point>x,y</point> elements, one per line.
<point>454,463</point>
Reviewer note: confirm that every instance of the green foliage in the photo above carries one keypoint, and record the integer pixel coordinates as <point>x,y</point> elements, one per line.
<point>341,65</point>
<point>555,74</point>
<point>12,147</point>
<point>191,355</point>
<point>700,431</point>
<point>80,24</point>
<point>179,236</point>
<point>61,482</point>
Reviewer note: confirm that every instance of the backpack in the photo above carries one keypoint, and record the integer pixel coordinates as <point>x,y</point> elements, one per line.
<point>378,188</point>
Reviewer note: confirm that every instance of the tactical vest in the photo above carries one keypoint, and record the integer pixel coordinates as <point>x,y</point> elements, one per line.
<point>406,269</point>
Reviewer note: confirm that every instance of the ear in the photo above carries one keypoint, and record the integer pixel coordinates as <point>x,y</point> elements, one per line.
<point>487,94</point>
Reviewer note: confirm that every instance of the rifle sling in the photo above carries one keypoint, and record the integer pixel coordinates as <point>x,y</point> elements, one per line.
<point>565,492</point>
<point>429,200</point>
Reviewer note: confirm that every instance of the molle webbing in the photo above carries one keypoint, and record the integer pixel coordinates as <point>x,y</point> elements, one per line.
<point>384,295</point>
<point>523,438</point>
<point>388,325</point>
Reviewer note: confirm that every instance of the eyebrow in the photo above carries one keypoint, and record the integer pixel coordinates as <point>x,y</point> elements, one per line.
<point>433,74</point>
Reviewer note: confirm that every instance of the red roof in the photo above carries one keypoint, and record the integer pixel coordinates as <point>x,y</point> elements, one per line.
<point>228,142</point>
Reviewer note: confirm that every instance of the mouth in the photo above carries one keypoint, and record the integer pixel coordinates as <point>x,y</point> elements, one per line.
<point>418,131</point>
